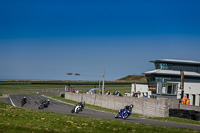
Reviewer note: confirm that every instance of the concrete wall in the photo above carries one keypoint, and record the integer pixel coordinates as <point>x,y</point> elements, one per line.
<point>145,106</point>
<point>190,107</point>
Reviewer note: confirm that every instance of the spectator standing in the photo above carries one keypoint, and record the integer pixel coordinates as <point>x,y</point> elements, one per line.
<point>118,93</point>
<point>188,101</point>
<point>184,100</point>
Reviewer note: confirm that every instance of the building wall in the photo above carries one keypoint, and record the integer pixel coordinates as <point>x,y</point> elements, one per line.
<point>191,89</point>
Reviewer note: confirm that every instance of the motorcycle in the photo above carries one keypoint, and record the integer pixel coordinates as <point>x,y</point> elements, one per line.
<point>44,104</point>
<point>125,113</point>
<point>23,102</point>
<point>79,107</point>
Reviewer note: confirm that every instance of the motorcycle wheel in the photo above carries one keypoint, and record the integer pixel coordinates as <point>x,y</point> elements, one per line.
<point>72,111</point>
<point>125,116</point>
<point>77,111</point>
<point>117,116</point>
<point>41,106</point>
<point>22,103</point>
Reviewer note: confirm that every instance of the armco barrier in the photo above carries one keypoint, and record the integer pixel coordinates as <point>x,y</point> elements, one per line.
<point>145,106</point>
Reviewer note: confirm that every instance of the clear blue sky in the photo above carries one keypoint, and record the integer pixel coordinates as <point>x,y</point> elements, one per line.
<point>45,40</point>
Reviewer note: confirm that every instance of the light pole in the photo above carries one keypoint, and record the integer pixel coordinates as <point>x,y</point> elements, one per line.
<point>96,75</point>
<point>103,76</point>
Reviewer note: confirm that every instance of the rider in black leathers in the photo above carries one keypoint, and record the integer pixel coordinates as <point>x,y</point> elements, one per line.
<point>127,107</point>
<point>46,102</point>
<point>23,101</point>
<point>82,104</point>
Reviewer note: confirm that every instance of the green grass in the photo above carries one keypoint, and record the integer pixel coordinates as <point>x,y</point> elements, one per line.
<point>81,88</point>
<point>48,86</point>
<point>24,120</point>
<point>176,119</point>
<point>134,78</point>
<point>122,91</point>
<point>170,119</point>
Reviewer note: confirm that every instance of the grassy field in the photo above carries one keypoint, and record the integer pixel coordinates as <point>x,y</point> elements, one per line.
<point>81,88</point>
<point>31,86</point>
<point>23,120</point>
<point>48,86</point>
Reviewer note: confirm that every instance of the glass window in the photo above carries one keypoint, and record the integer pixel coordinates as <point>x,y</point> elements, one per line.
<point>157,65</point>
<point>163,66</point>
<point>166,88</point>
<point>169,89</point>
<point>175,86</point>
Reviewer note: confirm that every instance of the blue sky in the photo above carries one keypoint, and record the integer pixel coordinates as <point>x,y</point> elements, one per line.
<point>45,40</point>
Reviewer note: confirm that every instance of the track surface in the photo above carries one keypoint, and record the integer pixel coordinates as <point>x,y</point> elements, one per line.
<point>33,102</point>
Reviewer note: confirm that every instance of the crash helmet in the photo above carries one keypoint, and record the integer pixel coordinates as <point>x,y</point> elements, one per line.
<point>131,105</point>
<point>83,102</point>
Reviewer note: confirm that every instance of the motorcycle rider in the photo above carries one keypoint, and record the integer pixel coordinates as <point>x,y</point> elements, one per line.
<point>23,100</point>
<point>82,104</point>
<point>127,107</point>
<point>46,102</point>
<point>79,107</point>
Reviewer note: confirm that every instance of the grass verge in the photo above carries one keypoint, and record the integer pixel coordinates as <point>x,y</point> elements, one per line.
<point>13,87</point>
<point>16,120</point>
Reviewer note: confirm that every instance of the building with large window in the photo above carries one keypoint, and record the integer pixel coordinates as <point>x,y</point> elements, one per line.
<point>165,80</point>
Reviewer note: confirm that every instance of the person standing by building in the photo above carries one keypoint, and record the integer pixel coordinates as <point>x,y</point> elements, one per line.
<point>188,102</point>
<point>184,100</point>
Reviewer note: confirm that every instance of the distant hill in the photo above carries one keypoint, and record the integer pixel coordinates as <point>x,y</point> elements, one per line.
<point>134,78</point>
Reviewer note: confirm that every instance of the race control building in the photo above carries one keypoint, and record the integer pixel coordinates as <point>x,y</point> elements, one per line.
<point>165,81</point>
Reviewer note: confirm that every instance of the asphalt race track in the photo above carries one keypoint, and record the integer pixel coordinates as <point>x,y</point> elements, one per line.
<point>33,102</point>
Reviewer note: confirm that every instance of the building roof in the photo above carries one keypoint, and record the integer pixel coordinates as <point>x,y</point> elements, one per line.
<point>177,61</point>
<point>172,73</point>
